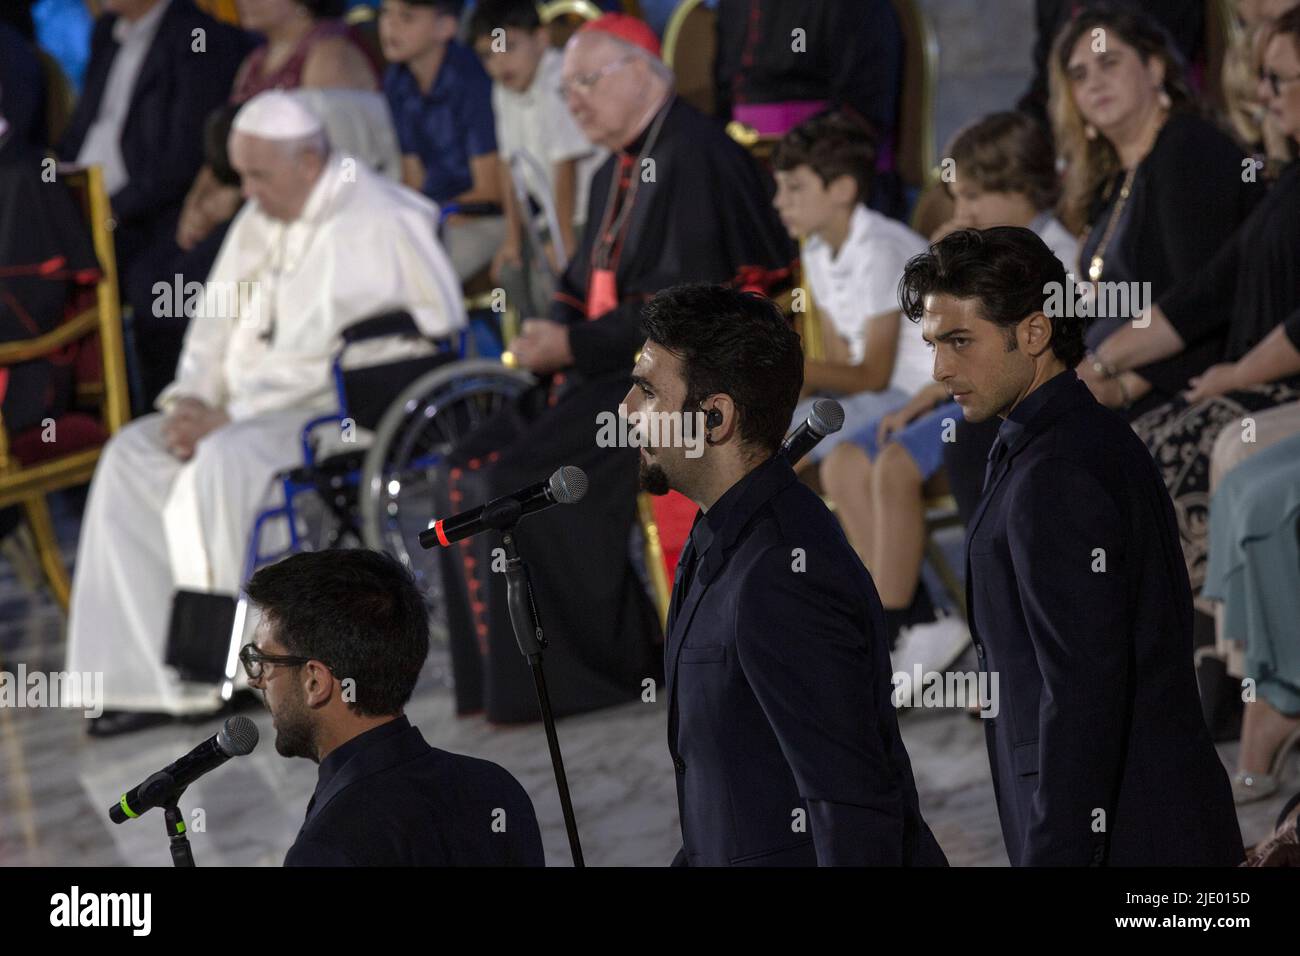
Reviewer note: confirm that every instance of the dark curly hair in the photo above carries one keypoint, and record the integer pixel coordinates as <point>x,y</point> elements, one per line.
<point>735,343</point>
<point>1009,270</point>
<point>832,144</point>
<point>358,612</point>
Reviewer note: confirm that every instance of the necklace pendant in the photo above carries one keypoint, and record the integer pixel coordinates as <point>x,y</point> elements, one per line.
<point>1095,267</point>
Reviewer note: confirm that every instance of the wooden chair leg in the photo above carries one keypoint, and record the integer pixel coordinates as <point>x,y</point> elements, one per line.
<point>47,548</point>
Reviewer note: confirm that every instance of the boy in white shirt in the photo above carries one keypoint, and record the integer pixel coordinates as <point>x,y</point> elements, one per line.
<point>537,136</point>
<point>853,259</point>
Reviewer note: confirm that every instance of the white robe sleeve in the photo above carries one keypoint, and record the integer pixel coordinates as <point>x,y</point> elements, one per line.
<point>409,262</point>
<point>200,373</point>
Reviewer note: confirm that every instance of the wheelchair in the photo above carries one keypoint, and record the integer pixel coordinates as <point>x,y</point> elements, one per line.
<point>383,492</point>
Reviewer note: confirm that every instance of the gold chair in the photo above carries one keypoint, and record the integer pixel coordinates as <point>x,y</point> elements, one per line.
<point>224,10</point>
<point>941,513</point>
<point>690,48</point>
<point>915,158</point>
<point>563,17</point>
<point>30,468</point>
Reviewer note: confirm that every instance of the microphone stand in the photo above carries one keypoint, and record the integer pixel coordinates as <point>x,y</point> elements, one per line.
<point>531,640</point>
<point>160,790</point>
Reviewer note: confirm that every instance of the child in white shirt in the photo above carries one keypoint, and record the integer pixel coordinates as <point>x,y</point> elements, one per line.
<point>853,259</point>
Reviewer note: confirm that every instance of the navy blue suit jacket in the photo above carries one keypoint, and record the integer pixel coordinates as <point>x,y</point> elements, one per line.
<point>178,87</point>
<point>1080,604</point>
<point>780,723</point>
<point>396,801</point>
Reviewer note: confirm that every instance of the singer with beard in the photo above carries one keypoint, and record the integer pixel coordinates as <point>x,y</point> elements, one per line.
<point>780,722</point>
<point>340,644</point>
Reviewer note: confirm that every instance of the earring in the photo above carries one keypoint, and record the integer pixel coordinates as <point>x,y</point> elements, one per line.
<point>1089,131</point>
<point>1163,99</point>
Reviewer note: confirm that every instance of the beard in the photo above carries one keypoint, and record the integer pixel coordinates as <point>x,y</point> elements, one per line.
<point>654,479</point>
<point>294,734</point>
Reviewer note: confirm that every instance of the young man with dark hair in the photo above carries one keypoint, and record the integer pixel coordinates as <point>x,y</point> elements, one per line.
<point>780,722</point>
<point>441,100</point>
<point>1077,592</point>
<point>338,650</point>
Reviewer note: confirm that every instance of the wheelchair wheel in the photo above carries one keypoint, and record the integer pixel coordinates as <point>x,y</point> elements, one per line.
<point>403,483</point>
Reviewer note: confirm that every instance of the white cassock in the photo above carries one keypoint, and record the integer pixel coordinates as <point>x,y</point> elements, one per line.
<point>153,524</point>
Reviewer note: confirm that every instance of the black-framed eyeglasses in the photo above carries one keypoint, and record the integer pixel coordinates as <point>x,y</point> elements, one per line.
<point>253,660</point>
<point>1275,81</point>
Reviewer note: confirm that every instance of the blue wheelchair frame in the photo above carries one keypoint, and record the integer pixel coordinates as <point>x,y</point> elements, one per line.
<point>297,480</point>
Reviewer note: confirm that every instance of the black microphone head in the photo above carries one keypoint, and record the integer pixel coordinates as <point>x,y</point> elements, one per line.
<point>826,417</point>
<point>568,484</point>
<point>237,737</point>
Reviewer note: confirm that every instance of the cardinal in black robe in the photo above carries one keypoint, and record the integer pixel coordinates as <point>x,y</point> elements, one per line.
<point>680,202</point>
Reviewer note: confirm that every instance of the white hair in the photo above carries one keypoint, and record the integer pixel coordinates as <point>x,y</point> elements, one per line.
<point>657,66</point>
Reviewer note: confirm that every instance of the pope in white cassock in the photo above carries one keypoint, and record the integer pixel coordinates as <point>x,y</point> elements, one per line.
<point>322,243</point>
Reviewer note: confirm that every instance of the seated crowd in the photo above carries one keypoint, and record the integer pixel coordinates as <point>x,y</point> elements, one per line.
<point>342,173</point>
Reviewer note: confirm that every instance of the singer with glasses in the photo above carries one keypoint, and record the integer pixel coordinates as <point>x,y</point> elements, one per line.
<point>780,722</point>
<point>340,645</point>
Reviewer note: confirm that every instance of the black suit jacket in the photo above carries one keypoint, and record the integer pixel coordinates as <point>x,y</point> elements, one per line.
<point>178,86</point>
<point>780,724</point>
<point>396,801</point>
<point>1080,605</point>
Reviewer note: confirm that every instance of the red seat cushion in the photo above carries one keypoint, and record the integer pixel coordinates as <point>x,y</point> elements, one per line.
<point>73,432</point>
<point>674,515</point>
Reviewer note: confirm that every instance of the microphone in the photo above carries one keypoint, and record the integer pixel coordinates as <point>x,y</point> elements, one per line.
<point>235,739</point>
<point>565,487</point>
<point>826,418</point>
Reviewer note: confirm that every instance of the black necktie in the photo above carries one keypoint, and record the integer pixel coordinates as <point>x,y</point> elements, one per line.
<point>688,574</point>
<point>996,454</point>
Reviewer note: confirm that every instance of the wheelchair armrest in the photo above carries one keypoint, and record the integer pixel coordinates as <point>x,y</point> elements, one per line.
<point>469,209</point>
<point>381,326</point>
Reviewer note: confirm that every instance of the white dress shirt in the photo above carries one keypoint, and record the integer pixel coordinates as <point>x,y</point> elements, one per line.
<point>103,143</point>
<point>861,281</point>
<point>538,122</point>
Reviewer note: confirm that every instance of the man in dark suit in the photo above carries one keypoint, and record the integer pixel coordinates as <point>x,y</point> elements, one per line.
<point>341,641</point>
<point>780,721</point>
<point>22,92</point>
<point>157,69</point>
<point>1077,590</point>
